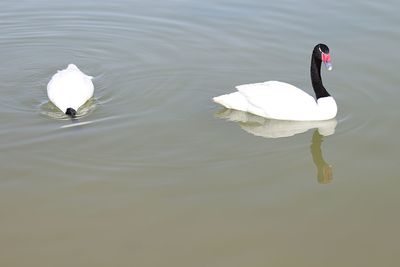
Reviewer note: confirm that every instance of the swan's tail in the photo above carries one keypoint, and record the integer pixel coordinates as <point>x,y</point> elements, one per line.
<point>71,112</point>
<point>232,101</point>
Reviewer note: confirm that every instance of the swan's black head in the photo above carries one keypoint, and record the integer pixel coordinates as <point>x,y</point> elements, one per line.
<point>321,52</point>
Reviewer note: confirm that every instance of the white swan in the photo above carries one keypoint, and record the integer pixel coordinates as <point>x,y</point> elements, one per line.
<point>282,101</point>
<point>69,89</point>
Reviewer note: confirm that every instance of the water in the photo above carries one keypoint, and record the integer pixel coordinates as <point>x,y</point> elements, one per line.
<point>158,175</point>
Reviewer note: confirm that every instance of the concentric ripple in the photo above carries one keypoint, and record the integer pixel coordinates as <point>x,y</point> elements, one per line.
<point>155,72</point>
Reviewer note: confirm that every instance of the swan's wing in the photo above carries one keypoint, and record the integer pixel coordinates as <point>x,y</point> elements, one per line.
<point>278,100</point>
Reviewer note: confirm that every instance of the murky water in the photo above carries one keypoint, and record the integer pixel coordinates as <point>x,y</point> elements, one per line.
<point>158,175</point>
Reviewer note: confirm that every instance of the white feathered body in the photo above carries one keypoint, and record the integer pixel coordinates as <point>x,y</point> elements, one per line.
<point>279,100</point>
<point>70,88</point>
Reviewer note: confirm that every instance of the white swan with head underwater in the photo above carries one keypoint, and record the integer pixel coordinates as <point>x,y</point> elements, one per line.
<point>283,101</point>
<point>69,89</point>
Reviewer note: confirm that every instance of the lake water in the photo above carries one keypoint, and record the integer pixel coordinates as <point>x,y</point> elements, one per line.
<point>159,175</point>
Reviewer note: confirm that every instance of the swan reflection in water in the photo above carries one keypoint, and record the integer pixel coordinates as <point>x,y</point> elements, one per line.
<point>269,128</point>
<point>324,170</point>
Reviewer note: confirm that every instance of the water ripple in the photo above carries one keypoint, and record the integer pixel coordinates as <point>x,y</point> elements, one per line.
<point>155,71</point>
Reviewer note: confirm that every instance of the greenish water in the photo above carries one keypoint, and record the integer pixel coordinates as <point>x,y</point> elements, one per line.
<point>162,176</point>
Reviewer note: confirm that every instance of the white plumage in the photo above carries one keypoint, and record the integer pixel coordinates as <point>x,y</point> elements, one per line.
<point>70,88</point>
<point>278,100</point>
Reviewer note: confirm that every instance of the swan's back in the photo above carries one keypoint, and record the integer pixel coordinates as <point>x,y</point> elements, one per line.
<point>70,88</point>
<point>272,99</point>
<point>279,100</point>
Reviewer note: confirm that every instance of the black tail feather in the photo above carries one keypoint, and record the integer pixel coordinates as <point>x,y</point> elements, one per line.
<point>71,112</point>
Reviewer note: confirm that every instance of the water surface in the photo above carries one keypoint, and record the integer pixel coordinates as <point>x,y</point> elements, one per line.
<point>158,175</point>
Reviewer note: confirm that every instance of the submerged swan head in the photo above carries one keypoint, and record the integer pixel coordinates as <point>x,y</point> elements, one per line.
<point>69,89</point>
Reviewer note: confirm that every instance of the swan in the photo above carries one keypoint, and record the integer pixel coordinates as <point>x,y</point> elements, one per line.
<point>283,101</point>
<point>69,89</point>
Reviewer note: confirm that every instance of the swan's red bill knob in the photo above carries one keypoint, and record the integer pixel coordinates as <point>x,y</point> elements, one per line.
<point>326,58</point>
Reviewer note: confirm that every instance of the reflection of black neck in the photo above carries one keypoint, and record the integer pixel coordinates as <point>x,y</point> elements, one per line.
<point>316,80</point>
<point>316,149</point>
<point>316,152</point>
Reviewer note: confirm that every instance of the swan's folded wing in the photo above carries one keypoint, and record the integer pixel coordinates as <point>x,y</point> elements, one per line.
<point>278,100</point>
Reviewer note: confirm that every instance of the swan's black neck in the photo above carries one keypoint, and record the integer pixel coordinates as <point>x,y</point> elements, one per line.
<point>316,80</point>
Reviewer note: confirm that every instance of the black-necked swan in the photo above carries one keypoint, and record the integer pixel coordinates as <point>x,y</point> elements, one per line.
<point>69,89</point>
<point>283,101</point>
